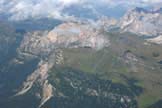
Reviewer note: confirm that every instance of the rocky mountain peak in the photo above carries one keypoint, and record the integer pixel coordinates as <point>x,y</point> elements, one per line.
<point>159,10</point>
<point>140,10</point>
<point>64,35</point>
<point>142,22</point>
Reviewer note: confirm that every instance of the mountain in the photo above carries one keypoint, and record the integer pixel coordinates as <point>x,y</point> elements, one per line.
<point>81,62</point>
<point>143,22</point>
<point>81,65</point>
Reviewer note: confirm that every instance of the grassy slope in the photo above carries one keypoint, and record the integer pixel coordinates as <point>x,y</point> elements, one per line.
<point>106,64</point>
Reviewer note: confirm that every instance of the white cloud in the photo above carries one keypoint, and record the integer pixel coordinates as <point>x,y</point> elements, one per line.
<point>23,9</point>
<point>151,1</point>
<point>67,2</point>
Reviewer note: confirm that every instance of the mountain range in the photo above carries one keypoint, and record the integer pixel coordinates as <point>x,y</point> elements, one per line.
<point>84,61</point>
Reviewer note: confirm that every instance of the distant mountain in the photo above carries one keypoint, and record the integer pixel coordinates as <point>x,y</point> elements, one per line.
<point>143,22</point>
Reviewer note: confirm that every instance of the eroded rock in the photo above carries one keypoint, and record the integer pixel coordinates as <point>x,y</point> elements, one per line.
<point>46,46</point>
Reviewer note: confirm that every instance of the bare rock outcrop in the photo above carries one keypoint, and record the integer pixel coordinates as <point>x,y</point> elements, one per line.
<point>157,40</point>
<point>143,22</point>
<point>46,46</point>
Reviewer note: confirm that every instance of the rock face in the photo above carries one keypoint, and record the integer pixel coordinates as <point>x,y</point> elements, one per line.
<point>157,40</point>
<point>46,46</point>
<point>66,35</point>
<point>143,22</point>
<point>39,77</point>
<point>47,92</point>
<point>77,35</point>
<point>132,60</point>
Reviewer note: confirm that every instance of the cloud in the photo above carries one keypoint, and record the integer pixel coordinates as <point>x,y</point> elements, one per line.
<point>151,1</point>
<point>24,9</point>
<point>67,2</point>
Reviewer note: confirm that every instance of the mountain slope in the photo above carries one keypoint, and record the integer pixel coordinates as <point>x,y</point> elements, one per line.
<point>143,22</point>
<point>81,64</point>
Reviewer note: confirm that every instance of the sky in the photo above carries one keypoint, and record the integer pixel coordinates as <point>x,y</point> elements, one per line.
<point>24,9</point>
